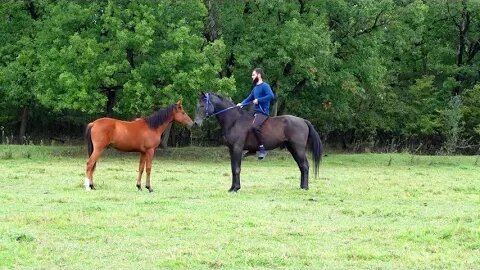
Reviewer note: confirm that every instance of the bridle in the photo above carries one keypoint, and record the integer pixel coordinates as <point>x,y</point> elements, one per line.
<point>208,102</point>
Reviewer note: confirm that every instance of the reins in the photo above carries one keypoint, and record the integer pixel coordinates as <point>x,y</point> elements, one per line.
<point>207,99</point>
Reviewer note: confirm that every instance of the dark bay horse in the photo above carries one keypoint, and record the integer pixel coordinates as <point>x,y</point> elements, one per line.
<point>142,135</point>
<point>294,133</point>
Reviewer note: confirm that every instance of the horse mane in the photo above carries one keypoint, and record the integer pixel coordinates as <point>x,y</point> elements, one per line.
<point>228,102</point>
<point>225,99</point>
<point>159,117</point>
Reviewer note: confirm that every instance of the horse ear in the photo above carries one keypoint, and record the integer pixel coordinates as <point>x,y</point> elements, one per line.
<point>202,94</point>
<point>179,104</point>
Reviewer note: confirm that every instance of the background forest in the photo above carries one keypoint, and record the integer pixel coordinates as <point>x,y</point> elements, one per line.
<point>372,75</point>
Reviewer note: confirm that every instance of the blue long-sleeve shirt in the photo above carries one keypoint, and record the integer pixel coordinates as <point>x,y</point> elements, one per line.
<point>264,94</point>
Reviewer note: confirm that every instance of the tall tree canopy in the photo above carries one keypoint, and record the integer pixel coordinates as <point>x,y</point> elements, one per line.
<point>366,73</point>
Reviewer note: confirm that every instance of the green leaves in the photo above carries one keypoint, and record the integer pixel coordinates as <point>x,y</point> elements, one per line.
<point>130,57</point>
<point>361,67</point>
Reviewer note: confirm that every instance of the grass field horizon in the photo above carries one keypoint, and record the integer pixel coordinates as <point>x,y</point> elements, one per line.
<point>380,211</point>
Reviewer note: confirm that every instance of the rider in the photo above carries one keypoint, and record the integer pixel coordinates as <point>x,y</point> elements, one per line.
<point>261,96</point>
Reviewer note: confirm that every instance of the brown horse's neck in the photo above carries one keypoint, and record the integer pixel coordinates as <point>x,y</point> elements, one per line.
<point>161,128</point>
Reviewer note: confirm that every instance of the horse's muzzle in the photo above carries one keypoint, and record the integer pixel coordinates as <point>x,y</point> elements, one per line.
<point>197,124</point>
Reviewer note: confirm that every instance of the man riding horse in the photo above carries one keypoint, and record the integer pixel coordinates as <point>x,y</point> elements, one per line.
<point>261,96</point>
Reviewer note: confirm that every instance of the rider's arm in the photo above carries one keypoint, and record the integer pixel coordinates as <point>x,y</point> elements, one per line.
<point>267,93</point>
<point>248,99</point>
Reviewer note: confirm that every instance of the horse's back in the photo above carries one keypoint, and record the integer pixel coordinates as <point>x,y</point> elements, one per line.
<point>122,135</point>
<point>292,128</point>
<point>288,117</point>
<point>288,121</point>
<point>111,126</point>
<point>278,130</point>
<point>104,123</point>
<point>108,122</point>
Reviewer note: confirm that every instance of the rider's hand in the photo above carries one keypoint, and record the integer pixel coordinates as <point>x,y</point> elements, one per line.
<point>239,105</point>
<point>255,101</point>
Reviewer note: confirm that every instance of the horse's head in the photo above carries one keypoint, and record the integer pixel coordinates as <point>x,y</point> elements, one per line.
<point>180,116</point>
<point>211,104</point>
<point>204,108</point>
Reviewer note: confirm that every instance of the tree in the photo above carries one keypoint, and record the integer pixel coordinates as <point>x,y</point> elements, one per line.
<point>19,62</point>
<point>127,57</point>
<point>288,39</point>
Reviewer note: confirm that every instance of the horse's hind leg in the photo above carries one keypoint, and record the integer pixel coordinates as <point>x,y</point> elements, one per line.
<point>91,165</point>
<point>141,167</point>
<point>298,153</point>
<point>148,167</point>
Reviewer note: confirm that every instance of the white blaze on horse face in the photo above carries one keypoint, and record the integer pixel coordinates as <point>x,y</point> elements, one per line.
<point>87,184</point>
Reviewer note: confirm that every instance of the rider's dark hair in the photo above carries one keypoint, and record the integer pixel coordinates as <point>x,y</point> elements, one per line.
<point>259,71</point>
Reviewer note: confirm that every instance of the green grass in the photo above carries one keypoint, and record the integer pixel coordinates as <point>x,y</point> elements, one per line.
<point>420,212</point>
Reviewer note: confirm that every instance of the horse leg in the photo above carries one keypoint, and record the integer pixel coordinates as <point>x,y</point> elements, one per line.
<point>236,162</point>
<point>148,167</point>
<point>298,153</point>
<point>141,167</point>
<point>91,165</point>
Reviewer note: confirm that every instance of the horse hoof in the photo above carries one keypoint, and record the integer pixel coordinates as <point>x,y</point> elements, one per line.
<point>235,189</point>
<point>92,187</point>
<point>139,188</point>
<point>304,188</point>
<point>149,189</point>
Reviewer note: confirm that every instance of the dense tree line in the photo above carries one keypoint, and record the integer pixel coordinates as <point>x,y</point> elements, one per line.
<point>371,74</point>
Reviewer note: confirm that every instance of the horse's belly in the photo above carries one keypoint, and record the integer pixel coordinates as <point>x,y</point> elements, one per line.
<point>126,147</point>
<point>270,141</point>
<point>136,141</point>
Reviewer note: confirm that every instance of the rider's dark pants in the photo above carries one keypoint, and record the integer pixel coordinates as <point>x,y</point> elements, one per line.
<point>257,126</point>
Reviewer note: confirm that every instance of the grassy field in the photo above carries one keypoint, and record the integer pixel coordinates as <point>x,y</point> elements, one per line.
<point>366,211</point>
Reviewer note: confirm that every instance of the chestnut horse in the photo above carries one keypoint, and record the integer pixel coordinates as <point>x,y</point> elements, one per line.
<point>142,135</point>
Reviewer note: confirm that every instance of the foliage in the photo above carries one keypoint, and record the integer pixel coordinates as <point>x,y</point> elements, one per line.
<point>471,112</point>
<point>365,71</point>
<point>454,126</point>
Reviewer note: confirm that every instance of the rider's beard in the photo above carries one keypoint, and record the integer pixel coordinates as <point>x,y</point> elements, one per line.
<point>255,81</point>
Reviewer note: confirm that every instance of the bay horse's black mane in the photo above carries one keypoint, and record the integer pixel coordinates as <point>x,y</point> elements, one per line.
<point>227,102</point>
<point>159,117</point>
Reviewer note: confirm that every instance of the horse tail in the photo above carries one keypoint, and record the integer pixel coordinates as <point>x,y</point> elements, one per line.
<point>315,146</point>
<point>88,139</point>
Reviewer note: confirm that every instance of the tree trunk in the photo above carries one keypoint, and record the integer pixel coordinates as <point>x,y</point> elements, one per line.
<point>463,28</point>
<point>23,126</point>
<point>211,33</point>
<point>111,96</point>
<point>275,108</point>
<point>281,107</point>
<point>462,33</point>
<point>131,57</point>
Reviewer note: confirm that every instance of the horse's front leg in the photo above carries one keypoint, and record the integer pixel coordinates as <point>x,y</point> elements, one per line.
<point>141,167</point>
<point>149,154</point>
<point>236,162</point>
